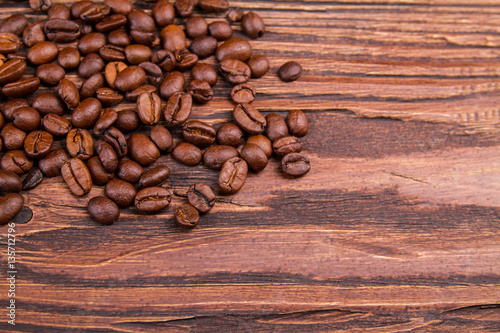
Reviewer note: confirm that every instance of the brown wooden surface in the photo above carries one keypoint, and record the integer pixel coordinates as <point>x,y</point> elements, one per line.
<point>396,227</point>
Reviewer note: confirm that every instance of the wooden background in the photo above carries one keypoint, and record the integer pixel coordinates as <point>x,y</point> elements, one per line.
<point>396,227</point>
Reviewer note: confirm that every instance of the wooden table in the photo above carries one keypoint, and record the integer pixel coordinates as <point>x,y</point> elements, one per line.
<point>396,227</point>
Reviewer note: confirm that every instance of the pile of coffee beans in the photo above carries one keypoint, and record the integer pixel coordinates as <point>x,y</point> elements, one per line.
<point>124,53</point>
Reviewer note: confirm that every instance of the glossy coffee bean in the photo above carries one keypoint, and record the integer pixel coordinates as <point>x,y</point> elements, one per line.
<point>100,176</point>
<point>38,144</point>
<point>184,8</point>
<point>204,72</point>
<point>105,121</point>
<point>111,23</point>
<point>86,113</point>
<point>59,11</point>
<point>120,6</point>
<point>215,156</point>
<point>94,13</point>
<point>163,13</point>
<point>12,137</point>
<point>121,192</point>
<point>200,90</point>
<point>77,176</point>
<point>295,164</point>
<point>234,71</point>
<point>290,71</point>
<point>221,30</point>
<point>51,164</point>
<point>254,156</point>
<point>203,46</point>
<point>165,59</point>
<point>133,95</point>
<point>91,86</point>
<point>276,127</point>
<point>137,53</point>
<point>111,72</point>
<point>130,78</point>
<point>234,48</point>
<point>12,70</point>
<point>249,118</point>
<point>214,6</point>
<point>14,24</point>
<point>127,121</point>
<point>69,93</point>
<point>11,105</point>
<point>108,96</point>
<point>9,43</point>
<point>253,25</point>
<point>10,205</point>
<point>18,56</point>
<point>139,20</point>
<point>69,58</point>
<point>91,43</point>
<point>48,103</point>
<point>149,39</point>
<point>155,176</point>
<point>80,144</point>
<point>56,125</point>
<point>243,93</point>
<point>162,138</point>
<point>142,150</point>
<point>103,210</point>
<point>16,161</point>
<point>26,119</point>
<point>154,74</point>
<point>186,216</point>
<point>297,123</point>
<point>107,155</point>
<point>119,38</point>
<point>149,108</point>
<point>50,74</point>
<point>187,154</point>
<point>110,53</point>
<point>172,83</point>
<point>234,15</point>
<point>77,7</point>
<point>287,145</point>
<point>32,179</point>
<point>152,199</point>
<point>33,33</point>
<point>10,182</point>
<point>62,31</point>
<point>230,134</point>
<point>184,59</point>
<point>198,133</point>
<point>21,87</point>
<point>263,142</point>
<point>232,175</point>
<point>173,38</point>
<point>201,197</point>
<point>129,171</point>
<point>92,63</point>
<point>42,53</point>
<point>196,26</point>
<point>40,5</point>
<point>117,140</point>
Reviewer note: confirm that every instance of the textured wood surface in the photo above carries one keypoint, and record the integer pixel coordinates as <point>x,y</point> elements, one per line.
<point>396,228</point>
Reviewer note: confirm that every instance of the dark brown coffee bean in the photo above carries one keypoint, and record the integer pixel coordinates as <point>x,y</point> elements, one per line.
<point>108,96</point>
<point>112,53</point>
<point>214,6</point>
<point>47,103</point>
<point>221,30</point>
<point>243,93</point>
<point>2,121</point>
<point>200,90</point>
<point>12,137</point>
<point>276,127</point>
<point>130,78</point>
<point>204,72</point>
<point>173,38</point>
<point>234,71</point>
<point>16,56</point>
<point>297,123</point>
<point>184,59</point>
<point>100,176</point>
<point>215,156</point>
<point>9,43</point>
<point>162,138</point>
<point>107,155</point>
<point>178,108</point>
<point>12,70</point>
<point>142,150</point>
<point>56,125</point>
<point>14,24</point>
<point>163,13</point>
<point>10,182</point>
<point>234,48</point>
<point>287,145</point>
<point>21,88</point>
<point>290,71</point>
<point>91,43</point>
<point>33,33</point>
<point>26,119</point>
<point>62,31</point>
<point>184,8</point>
<point>111,72</point>
<point>79,144</point>
<point>77,7</point>
<point>234,15</point>
<point>152,199</point>
<point>203,46</point>
<point>153,73</point>
<point>187,216</point>
<point>201,197</point>
<point>51,164</point>
<point>69,58</point>
<point>187,154</point>
<point>232,175</point>
<point>119,38</point>
<point>120,6</point>
<point>254,156</point>
<point>127,121</point>
<point>133,95</point>
<point>253,25</point>
<point>139,20</point>
<point>117,140</point>
<point>94,13</point>
<point>137,53</point>
<point>40,5</point>
<point>172,83</point>
<point>198,133</point>
<point>50,74</point>
<point>32,179</point>
<point>69,93</point>
<point>129,171</point>
<point>86,113</point>
<point>58,11</point>
<point>155,176</point>
<point>11,106</point>
<point>230,135</point>
<point>111,23</point>
<point>42,53</point>
<point>165,59</point>
<point>121,192</point>
<point>295,164</point>
<point>105,121</point>
<point>263,142</point>
<point>85,27</point>
<point>103,210</point>
<point>149,108</point>
<point>149,39</point>
<point>249,118</point>
<point>196,26</point>
<point>77,176</point>
<point>10,205</point>
<point>16,161</point>
<point>90,64</point>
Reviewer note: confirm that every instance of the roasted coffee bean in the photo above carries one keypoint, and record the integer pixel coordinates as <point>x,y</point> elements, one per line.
<point>117,140</point>
<point>16,56</point>
<point>139,20</point>
<point>32,179</point>
<point>85,27</point>
<point>153,73</point>
<point>121,192</point>
<point>77,7</point>
<point>9,43</point>
<point>77,176</point>
<point>253,25</point>
<point>1,144</point>
<point>263,142</point>
<point>149,39</point>
<point>235,15</point>
<point>91,43</point>
<point>21,88</point>
<point>173,38</point>
<point>86,113</point>
<point>12,137</point>
<point>254,156</point>
<point>58,11</point>
<point>105,121</point>
<point>62,31</point>
<point>234,48</point>
<point>11,105</point>
<point>111,23</point>
<point>297,123</point>
<point>215,156</point>
<point>295,164</point>
<point>149,108</point>
<point>142,150</point>
<point>40,5</point>
<point>94,13</point>
<point>90,64</point>
<point>26,119</point>
<point>120,6</point>
<point>110,52</point>
<point>16,161</point>
<point>184,59</point>
<point>69,58</point>
<point>111,72</point>
<point>155,176</point>
<point>56,125</point>
<point>204,72</point>
<point>137,53</point>
<point>163,13</point>
<point>23,216</point>
<point>129,171</point>
<point>165,59</point>
<point>14,24</point>
<point>214,6</point>
<point>198,133</point>
<point>12,70</point>
<point>103,210</point>
<point>100,176</point>
<point>200,90</point>
<point>51,164</point>
<point>127,121</point>
<point>10,182</point>
<point>243,93</point>
<point>290,71</point>
<point>287,145</point>
<point>249,118</point>
<point>201,197</point>
<point>42,53</point>
<point>79,144</point>
<point>133,95</point>
<point>50,74</point>
<point>276,127</point>
<point>172,83</point>
<point>162,138</point>
<point>232,175</point>
<point>203,46</point>
<point>235,71</point>
<point>91,85</point>
<point>221,30</point>
<point>10,205</point>
<point>152,199</point>
<point>230,135</point>
<point>187,216</point>
<point>48,103</point>
<point>196,26</point>
<point>2,121</point>
<point>107,155</point>
<point>184,8</point>
<point>130,78</point>
<point>69,93</point>
<point>187,154</point>
<point>33,33</point>
<point>108,96</point>
<point>119,38</point>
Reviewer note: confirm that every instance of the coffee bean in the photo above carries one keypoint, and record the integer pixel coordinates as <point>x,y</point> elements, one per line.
<point>111,72</point>
<point>234,71</point>
<point>187,154</point>
<point>62,31</point>
<point>90,64</point>
<point>204,72</point>
<point>21,88</point>
<point>230,134</point>
<point>259,65</point>
<point>16,161</point>
<point>127,121</point>
<point>133,95</point>
<point>173,38</point>
<point>172,83</point>
<point>152,199</point>
<point>137,53</point>
<point>214,6</point>
<point>276,127</point>
<point>110,53</point>
<point>38,144</point>
<point>198,133</point>
<point>187,216</point>
<point>79,144</point>
<point>2,121</point>
<point>51,164</point>
<point>10,182</point>
<point>26,119</point>
<point>232,175</point>
<point>149,108</point>
<point>184,8</point>
<point>117,140</point>
<point>33,33</point>
<point>184,59</point>
<point>11,105</point>
<point>235,15</point>
<point>263,142</point>
<point>130,78</point>
<point>254,156</point>
<point>162,138</point>
<point>155,176</point>
<point>201,197</point>
<point>295,164</point>
<point>10,205</point>
<point>120,6</point>
<point>99,175</point>
<point>108,96</point>
<point>290,71</point>
<point>249,118</point>
<point>48,103</point>
<point>149,39</point>
<point>163,13</point>
<point>91,43</point>
<point>142,150</point>
<point>56,125</point>
<point>17,56</point>
<point>234,48</point>
<point>86,113</point>
<point>50,74</point>
<point>14,24</point>
<point>58,11</point>
<point>203,46</point>
<point>9,43</point>
<point>119,38</point>
<point>107,155</point>
<point>12,137</point>
<point>139,20</point>
<point>69,93</point>
<point>23,216</point>
<point>94,13</point>
<point>77,176</point>
<point>111,23</point>
<point>121,192</point>
<point>253,25</point>
<point>153,73</point>
<point>164,59</point>
<point>12,70</point>
<point>221,30</point>
<point>105,121</point>
<point>297,123</point>
<point>196,26</point>
<point>243,93</point>
<point>215,156</point>
<point>32,179</point>
<point>69,58</point>
<point>42,53</point>
<point>103,210</point>
<point>287,145</point>
<point>200,90</point>
<point>129,171</point>
<point>40,5</point>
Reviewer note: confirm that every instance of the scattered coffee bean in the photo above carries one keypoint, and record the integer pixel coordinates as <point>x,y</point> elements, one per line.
<point>249,118</point>
<point>234,48</point>
<point>200,90</point>
<point>119,38</point>
<point>12,137</point>
<point>243,93</point>
<point>234,71</point>
<point>187,216</point>
<point>103,210</point>
<point>107,155</point>
<point>184,8</point>
<point>187,154</point>
<point>12,70</point>
<point>172,83</point>
<point>16,161</point>
<point>10,182</point>
<point>91,85</point>
<point>163,13</point>
<point>21,88</point>
<point>142,150</point>
<point>32,179</point>
<point>230,134</point>
<point>69,93</point>
<point>108,96</point>
<point>91,43</point>
<point>86,113</point>
<point>80,144</point>
<point>232,175</point>
<point>152,199</point>
<point>9,43</point>
<point>133,95</point>
<point>164,58</point>
<point>105,121</point>
<point>26,119</point>
<point>253,25</point>
<point>287,145</point>
<point>51,164</point>
<point>121,192</point>
<point>173,38</point>
<point>117,140</point>
<point>119,6</point>
<point>50,74</point>
<point>295,164</point>
<point>215,156</point>
<point>38,144</point>
<point>42,53</point>
<point>77,176</point>
<point>149,108</point>
<point>297,123</point>
<point>214,6</point>
<point>235,15</point>
<point>290,71</point>
<point>155,176</point>
<point>10,205</point>
<point>129,171</point>
<point>184,59</point>
<point>221,30</point>
<point>204,72</point>
<point>162,138</point>
<point>201,197</point>
<point>100,176</point>
<point>196,26</point>
<point>33,33</point>
<point>62,31</point>
<point>276,127</point>
<point>14,24</point>
<point>127,121</point>
<point>198,133</point>
<point>254,156</point>
<point>263,142</point>
<point>178,108</point>
<point>92,63</point>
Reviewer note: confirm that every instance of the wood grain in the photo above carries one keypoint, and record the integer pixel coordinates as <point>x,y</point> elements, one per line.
<point>396,227</point>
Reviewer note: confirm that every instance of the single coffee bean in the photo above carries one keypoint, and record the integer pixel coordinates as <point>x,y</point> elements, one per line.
<point>21,88</point>
<point>16,161</point>
<point>232,175</point>
<point>14,24</point>
<point>200,90</point>
<point>121,192</point>
<point>62,31</point>
<point>111,23</point>
<point>235,15</point>
<point>152,199</point>
<point>59,11</point>
<point>172,83</point>
<point>184,8</point>
<point>11,105</point>
<point>130,78</point>
<point>69,58</point>
<point>142,150</point>
<point>26,119</point>
<point>9,43</point>
<point>103,210</point>
<point>187,154</point>
<point>290,71</point>
<point>86,113</point>
<point>77,176</point>
<point>187,216</point>
<point>85,27</point>
<point>234,71</point>
<point>196,26</point>
<point>215,156</point>
<point>79,144</point>
<point>92,63</point>
<point>234,48</point>
<point>173,38</point>
<point>119,38</point>
<point>127,121</point>
<point>204,72</point>
<point>153,73</point>
<point>165,59</point>
<point>12,70</point>
<point>50,74</point>
<point>10,205</point>
<point>254,156</point>
<point>287,145</point>
<point>214,6</point>
<point>253,25</point>
<point>276,127</point>
<point>263,142</point>
<point>99,175</point>
<point>162,138</point>
<point>33,33</point>
<point>23,216</point>
<point>137,53</point>
<point>295,164</point>
<point>155,176</point>
<point>51,164</point>
<point>297,123</point>
<point>201,197</point>
<point>12,137</point>
<point>120,6</point>
<point>243,93</point>
<point>149,39</point>
<point>107,155</point>
<point>91,43</point>
<point>48,103</point>
<point>230,135</point>
<point>105,121</point>
<point>198,133</point>
<point>94,13</point>
<point>249,118</point>
<point>163,13</point>
<point>133,95</point>
<point>184,59</point>
<point>40,5</point>
<point>221,30</point>
<point>69,93</point>
<point>108,96</point>
<point>203,46</point>
<point>129,171</point>
<point>139,20</point>
<point>117,140</point>
<point>110,53</point>
<point>10,182</point>
<point>77,7</point>
<point>42,53</point>
<point>149,108</point>
<point>112,70</point>
<point>56,125</point>
<point>32,179</point>
<point>38,144</point>
<point>17,56</point>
